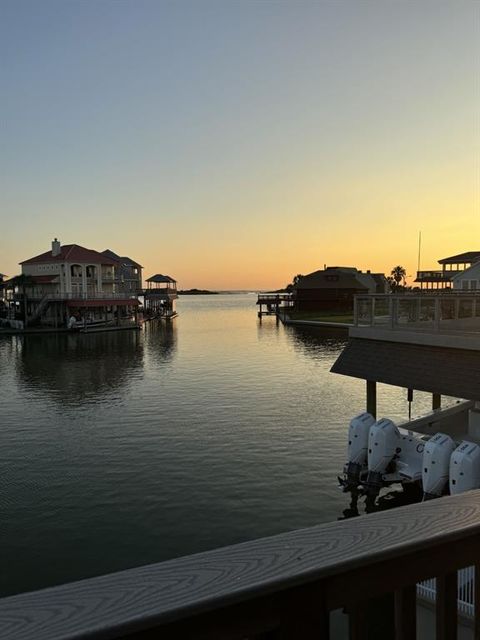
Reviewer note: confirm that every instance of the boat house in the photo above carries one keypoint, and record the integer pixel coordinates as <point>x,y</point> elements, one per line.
<point>160,296</point>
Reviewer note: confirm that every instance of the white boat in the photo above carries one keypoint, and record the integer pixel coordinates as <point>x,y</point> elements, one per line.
<point>426,463</point>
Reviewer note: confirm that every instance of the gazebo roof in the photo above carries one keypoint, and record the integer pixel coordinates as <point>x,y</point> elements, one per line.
<point>159,278</point>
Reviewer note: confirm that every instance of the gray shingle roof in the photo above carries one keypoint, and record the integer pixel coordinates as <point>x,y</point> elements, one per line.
<point>452,372</point>
<point>462,258</point>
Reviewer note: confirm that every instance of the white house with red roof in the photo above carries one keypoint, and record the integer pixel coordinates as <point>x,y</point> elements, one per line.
<point>71,281</point>
<point>71,269</point>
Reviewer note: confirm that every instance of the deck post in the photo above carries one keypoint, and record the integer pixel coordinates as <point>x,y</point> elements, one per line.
<point>393,310</point>
<point>372,397</point>
<point>406,613</point>
<point>436,317</point>
<point>446,607</point>
<point>436,401</point>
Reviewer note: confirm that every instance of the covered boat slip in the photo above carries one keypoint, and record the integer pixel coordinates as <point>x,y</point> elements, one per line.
<point>440,370</point>
<point>424,343</point>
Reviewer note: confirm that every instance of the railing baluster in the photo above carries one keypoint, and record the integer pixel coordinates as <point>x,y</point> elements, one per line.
<point>446,607</point>
<point>357,623</point>
<point>406,613</point>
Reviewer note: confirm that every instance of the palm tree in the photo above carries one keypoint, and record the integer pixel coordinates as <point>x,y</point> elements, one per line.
<point>295,281</point>
<point>399,274</point>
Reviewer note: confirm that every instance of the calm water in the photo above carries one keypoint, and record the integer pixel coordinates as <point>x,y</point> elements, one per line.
<point>121,449</point>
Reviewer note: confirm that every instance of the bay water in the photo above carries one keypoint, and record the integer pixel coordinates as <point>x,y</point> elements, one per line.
<point>125,448</point>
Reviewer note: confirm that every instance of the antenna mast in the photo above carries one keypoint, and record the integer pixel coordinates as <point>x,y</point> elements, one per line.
<point>419,249</point>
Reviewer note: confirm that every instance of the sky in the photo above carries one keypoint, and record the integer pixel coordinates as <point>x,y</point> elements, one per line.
<point>233,144</point>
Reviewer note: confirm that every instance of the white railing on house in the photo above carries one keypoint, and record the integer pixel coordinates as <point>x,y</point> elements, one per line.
<point>97,295</point>
<point>433,311</point>
<point>465,591</point>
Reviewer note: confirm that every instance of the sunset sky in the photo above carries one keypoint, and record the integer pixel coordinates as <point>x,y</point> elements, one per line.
<point>233,144</point>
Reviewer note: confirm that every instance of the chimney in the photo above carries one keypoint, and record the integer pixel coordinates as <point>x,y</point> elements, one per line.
<point>56,248</point>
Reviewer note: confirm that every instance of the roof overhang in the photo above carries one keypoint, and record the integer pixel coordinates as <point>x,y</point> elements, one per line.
<point>452,372</point>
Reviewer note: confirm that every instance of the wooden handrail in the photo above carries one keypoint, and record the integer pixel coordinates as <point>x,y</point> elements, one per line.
<point>284,581</point>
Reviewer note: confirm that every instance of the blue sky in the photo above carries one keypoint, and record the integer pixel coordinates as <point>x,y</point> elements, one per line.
<point>187,133</point>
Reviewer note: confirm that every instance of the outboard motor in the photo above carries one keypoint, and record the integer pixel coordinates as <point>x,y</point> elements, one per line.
<point>357,447</point>
<point>436,463</point>
<point>465,468</point>
<point>383,443</point>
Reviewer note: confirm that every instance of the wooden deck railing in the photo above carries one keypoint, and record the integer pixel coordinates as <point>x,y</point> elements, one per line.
<point>285,585</point>
<point>271,298</point>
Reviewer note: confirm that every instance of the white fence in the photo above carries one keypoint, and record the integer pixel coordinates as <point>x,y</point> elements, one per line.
<point>465,590</point>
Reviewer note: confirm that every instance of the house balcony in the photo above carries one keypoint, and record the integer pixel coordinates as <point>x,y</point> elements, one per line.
<point>284,586</point>
<point>436,275</point>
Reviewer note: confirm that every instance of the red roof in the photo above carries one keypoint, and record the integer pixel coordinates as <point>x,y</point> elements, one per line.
<point>71,253</point>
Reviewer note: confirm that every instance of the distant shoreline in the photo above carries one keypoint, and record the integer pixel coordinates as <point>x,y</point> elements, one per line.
<point>197,292</point>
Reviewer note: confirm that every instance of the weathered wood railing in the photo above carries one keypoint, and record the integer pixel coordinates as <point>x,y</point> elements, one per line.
<point>286,584</point>
<point>272,298</point>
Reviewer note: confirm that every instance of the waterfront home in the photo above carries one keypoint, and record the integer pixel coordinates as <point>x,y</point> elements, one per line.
<point>128,273</point>
<point>160,296</point>
<point>451,267</point>
<point>67,285</point>
<point>333,288</point>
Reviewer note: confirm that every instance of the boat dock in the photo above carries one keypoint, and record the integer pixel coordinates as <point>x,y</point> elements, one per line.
<point>271,303</point>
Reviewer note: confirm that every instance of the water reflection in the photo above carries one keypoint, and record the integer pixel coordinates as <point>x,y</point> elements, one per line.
<point>73,368</point>
<point>125,448</point>
<point>161,339</point>
<point>316,341</point>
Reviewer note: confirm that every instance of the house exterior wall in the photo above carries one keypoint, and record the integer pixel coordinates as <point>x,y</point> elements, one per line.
<point>129,278</point>
<point>73,278</point>
<point>468,279</point>
<point>325,299</point>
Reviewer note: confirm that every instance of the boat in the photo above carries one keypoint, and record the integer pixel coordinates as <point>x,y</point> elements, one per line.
<point>381,454</point>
